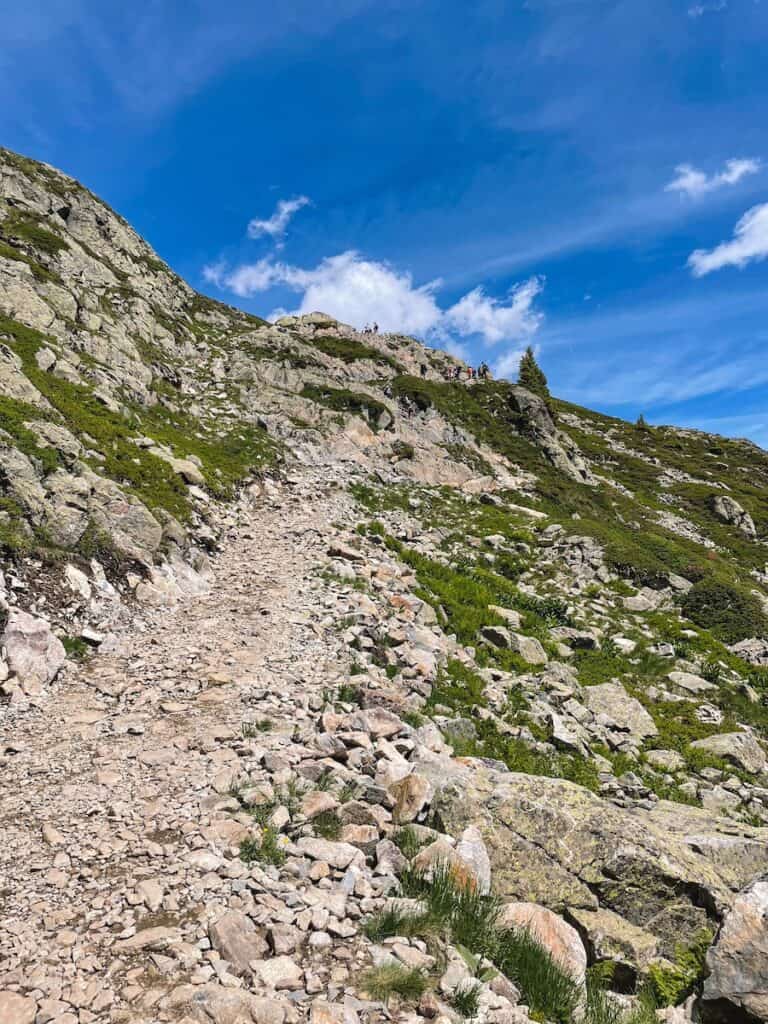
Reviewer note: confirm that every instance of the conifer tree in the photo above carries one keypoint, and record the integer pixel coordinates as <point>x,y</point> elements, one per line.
<point>531,376</point>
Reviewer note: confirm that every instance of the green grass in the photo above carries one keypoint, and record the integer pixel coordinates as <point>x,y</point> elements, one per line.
<point>348,350</point>
<point>26,227</point>
<point>390,979</point>
<point>461,689</point>
<point>327,824</point>
<point>465,999</point>
<point>41,273</point>
<point>265,850</point>
<point>13,416</point>
<point>408,841</point>
<point>342,400</point>
<point>730,612</point>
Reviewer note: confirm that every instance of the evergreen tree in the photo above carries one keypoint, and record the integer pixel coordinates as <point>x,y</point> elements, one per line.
<point>531,376</point>
<point>640,423</point>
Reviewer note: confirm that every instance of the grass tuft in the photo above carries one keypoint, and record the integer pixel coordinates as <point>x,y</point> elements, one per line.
<point>394,979</point>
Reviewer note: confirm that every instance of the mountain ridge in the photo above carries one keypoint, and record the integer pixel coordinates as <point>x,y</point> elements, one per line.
<point>331,633</point>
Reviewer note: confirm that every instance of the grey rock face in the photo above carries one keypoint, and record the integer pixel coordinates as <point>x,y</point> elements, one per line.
<point>557,844</point>
<point>535,421</point>
<point>737,986</point>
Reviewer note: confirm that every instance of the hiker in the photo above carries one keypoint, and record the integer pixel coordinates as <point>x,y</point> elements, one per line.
<point>483,371</point>
<point>423,369</point>
<point>375,328</point>
<point>457,373</point>
<point>469,373</point>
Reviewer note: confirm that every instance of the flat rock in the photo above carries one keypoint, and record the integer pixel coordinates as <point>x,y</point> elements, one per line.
<point>235,936</point>
<point>338,855</point>
<point>630,716</point>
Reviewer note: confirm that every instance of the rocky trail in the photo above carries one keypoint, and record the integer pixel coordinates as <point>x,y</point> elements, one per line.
<point>116,789</point>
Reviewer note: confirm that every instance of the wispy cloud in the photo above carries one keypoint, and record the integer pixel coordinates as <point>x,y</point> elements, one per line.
<point>699,9</point>
<point>276,225</point>
<point>359,290</point>
<point>749,243</point>
<point>692,182</point>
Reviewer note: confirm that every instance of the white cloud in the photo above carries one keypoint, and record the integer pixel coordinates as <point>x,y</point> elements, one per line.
<point>357,290</point>
<point>508,363</point>
<point>478,313</point>
<point>692,182</point>
<point>245,280</point>
<point>697,10</point>
<point>749,242</point>
<point>360,291</point>
<point>276,225</point>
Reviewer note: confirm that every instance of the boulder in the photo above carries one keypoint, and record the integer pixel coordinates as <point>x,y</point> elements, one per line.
<point>607,936</point>
<point>559,938</point>
<point>689,683</point>
<point>753,650</point>
<point>731,512</point>
<point>558,844</point>
<point>629,715</point>
<point>33,652</point>
<point>411,794</point>
<point>739,747</point>
<point>235,936</point>
<point>736,988</point>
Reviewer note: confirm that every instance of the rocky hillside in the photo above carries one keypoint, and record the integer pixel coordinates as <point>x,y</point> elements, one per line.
<point>332,688</point>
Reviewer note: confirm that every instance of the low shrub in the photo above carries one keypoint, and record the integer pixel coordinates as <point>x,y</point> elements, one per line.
<point>729,612</point>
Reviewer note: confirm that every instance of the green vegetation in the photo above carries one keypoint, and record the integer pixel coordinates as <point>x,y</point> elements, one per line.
<point>76,647</point>
<point>327,825</point>
<point>25,228</point>
<point>265,850</point>
<point>349,350</point>
<point>8,252</point>
<point>13,416</point>
<point>226,459</point>
<point>390,979</point>
<point>465,999</point>
<point>342,400</point>
<point>531,376</point>
<point>470,921</point>
<point>407,840</point>
<point>730,612</point>
<point>671,985</point>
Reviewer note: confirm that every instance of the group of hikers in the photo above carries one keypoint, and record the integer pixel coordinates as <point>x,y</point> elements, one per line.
<point>371,329</point>
<point>483,372</point>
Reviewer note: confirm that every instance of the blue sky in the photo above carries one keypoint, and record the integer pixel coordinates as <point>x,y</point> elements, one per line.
<point>587,176</point>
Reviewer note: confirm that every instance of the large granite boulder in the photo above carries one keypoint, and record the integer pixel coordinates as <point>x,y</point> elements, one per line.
<point>668,870</point>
